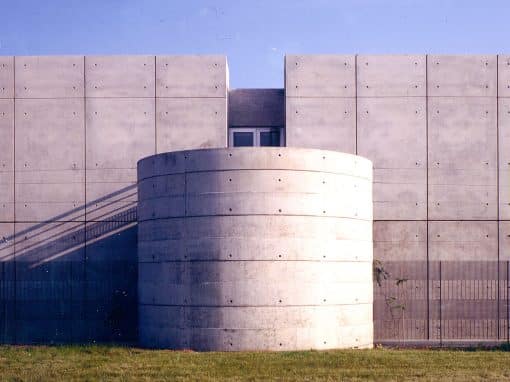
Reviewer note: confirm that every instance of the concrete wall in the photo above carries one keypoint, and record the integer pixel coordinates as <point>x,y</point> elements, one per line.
<point>255,249</point>
<point>256,108</point>
<point>71,132</point>
<point>437,130</point>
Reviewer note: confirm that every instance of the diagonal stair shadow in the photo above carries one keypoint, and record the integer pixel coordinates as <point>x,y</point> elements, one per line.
<point>71,281</point>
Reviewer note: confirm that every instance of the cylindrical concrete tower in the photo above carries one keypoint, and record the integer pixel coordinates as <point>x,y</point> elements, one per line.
<point>255,249</point>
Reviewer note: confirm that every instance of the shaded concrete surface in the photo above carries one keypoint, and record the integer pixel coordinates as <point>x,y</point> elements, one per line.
<point>256,108</point>
<point>65,282</point>
<point>71,131</point>
<point>255,249</point>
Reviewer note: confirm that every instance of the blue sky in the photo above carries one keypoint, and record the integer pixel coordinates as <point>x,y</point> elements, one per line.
<point>254,34</point>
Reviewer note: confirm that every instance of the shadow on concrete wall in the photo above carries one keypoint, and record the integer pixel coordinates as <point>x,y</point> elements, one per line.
<point>72,281</point>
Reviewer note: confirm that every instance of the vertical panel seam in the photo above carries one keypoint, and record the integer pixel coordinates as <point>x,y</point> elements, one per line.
<point>497,191</point>
<point>14,199</point>
<point>356,103</point>
<point>427,189</point>
<point>155,106</point>
<point>85,238</point>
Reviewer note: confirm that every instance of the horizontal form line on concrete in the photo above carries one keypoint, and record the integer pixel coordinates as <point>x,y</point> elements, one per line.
<point>252,169</point>
<point>276,214</point>
<point>254,306</point>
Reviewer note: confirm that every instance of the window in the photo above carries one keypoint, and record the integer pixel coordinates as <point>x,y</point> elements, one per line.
<point>255,136</point>
<point>243,138</point>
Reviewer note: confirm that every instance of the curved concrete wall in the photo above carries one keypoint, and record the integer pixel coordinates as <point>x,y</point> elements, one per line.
<point>255,249</point>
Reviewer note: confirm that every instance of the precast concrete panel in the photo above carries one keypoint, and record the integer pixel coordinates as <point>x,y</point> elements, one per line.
<point>504,240</point>
<point>462,145</point>
<point>463,241</point>
<point>49,76</point>
<point>504,75</point>
<point>391,76</point>
<point>400,240</point>
<point>7,281</point>
<point>462,76</point>
<point>400,174</point>
<point>191,76</point>
<point>6,160</point>
<point>50,162</point>
<point>320,76</point>
<point>120,76</point>
<point>322,123</point>
<point>50,264</point>
<point>205,268</point>
<point>6,77</point>
<point>187,123</point>
<point>119,132</point>
<point>504,158</point>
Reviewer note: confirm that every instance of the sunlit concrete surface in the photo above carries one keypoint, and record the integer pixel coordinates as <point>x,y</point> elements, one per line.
<point>255,249</point>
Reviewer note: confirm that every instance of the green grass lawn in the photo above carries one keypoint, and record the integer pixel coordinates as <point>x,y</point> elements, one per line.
<point>90,363</point>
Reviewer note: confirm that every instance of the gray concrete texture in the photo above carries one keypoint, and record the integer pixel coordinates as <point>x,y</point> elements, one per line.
<point>71,131</point>
<point>255,249</point>
<point>429,122</point>
<point>436,127</point>
<point>437,130</point>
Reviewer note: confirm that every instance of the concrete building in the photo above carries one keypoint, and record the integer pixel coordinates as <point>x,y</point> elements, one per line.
<point>265,248</point>
<point>436,127</point>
